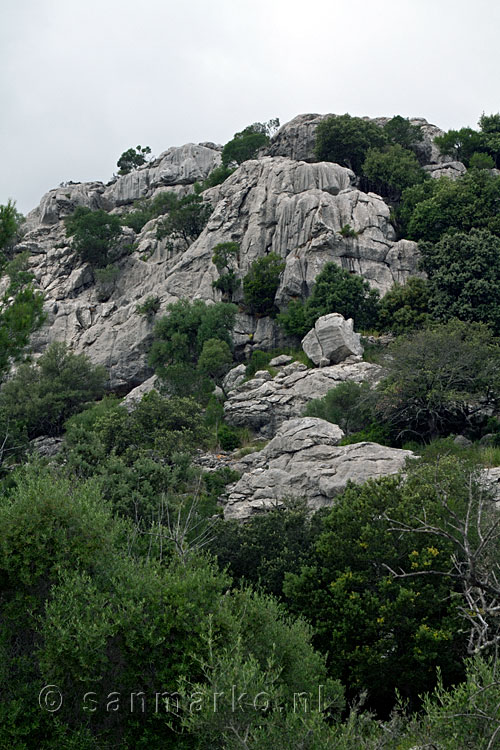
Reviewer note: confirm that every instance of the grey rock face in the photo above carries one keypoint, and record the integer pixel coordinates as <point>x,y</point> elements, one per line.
<point>264,405</point>
<point>135,396</point>
<point>332,340</point>
<point>296,139</point>
<point>451,169</point>
<point>305,461</point>
<point>234,378</point>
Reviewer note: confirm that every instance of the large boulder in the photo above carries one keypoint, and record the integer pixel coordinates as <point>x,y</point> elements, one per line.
<point>332,340</point>
<point>264,403</point>
<point>305,461</point>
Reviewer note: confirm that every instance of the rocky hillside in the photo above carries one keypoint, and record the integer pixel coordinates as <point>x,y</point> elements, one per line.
<point>282,202</point>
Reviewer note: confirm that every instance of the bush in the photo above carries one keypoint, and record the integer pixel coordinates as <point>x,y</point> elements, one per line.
<point>392,169</point>
<point>247,143</point>
<point>95,235</point>
<point>399,130</point>
<point>335,290</point>
<point>440,379</point>
<point>146,209</point>
<point>42,396</point>
<point>464,277</point>
<point>132,158</point>
<point>179,338</point>
<point>406,307</point>
<point>261,284</point>
<point>217,176</point>
<point>227,283</point>
<point>149,308</point>
<point>228,438</point>
<point>186,220</point>
<point>349,405</point>
<point>346,140</point>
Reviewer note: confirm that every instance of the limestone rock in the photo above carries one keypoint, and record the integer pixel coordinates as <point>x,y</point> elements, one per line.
<point>135,396</point>
<point>332,340</point>
<point>305,461</point>
<point>264,405</point>
<point>234,378</point>
<point>281,360</point>
<point>451,169</point>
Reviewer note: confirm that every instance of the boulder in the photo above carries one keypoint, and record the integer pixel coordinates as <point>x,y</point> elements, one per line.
<point>332,340</point>
<point>133,399</point>
<point>264,404</point>
<point>451,169</point>
<point>234,378</point>
<point>305,461</point>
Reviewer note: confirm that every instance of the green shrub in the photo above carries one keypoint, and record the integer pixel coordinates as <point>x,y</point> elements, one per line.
<point>149,307</point>
<point>405,307</point>
<point>228,438</point>
<point>95,235</point>
<point>392,169</point>
<point>335,290</point>
<point>346,140</point>
<point>399,130</point>
<point>217,176</point>
<point>261,284</point>
<point>349,405</point>
<point>132,158</point>
<point>146,209</point>
<point>185,221</point>
<point>246,144</point>
<point>227,283</point>
<point>42,396</point>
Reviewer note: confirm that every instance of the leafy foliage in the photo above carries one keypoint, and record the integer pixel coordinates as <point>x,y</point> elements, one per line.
<point>95,235</point>
<point>464,277</point>
<point>227,283</point>
<point>439,380</point>
<point>349,405</point>
<point>346,140</point>
<point>43,395</point>
<point>246,144</point>
<point>261,284</point>
<point>399,130</point>
<point>335,290</point>
<point>132,158</point>
<point>392,169</point>
<point>217,176</point>
<point>146,209</point>
<point>179,338</point>
<point>406,307</point>
<point>10,222</point>
<point>186,219</point>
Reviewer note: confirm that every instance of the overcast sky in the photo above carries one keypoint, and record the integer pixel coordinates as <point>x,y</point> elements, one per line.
<point>81,81</point>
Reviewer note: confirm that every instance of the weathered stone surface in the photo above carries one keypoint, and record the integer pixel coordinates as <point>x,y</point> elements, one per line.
<point>281,360</point>
<point>184,165</point>
<point>135,396</point>
<point>296,139</point>
<point>451,169</point>
<point>265,405</point>
<point>234,378</point>
<point>292,208</point>
<point>46,446</point>
<point>332,340</point>
<point>305,461</point>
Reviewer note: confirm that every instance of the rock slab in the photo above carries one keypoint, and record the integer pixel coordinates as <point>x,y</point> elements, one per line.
<point>332,340</point>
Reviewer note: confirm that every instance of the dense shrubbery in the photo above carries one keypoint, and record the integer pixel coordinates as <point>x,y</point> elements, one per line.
<point>95,235</point>
<point>132,158</point>
<point>335,290</point>
<point>246,144</point>
<point>180,338</point>
<point>146,209</point>
<point>346,140</point>
<point>405,307</point>
<point>261,284</point>
<point>392,169</point>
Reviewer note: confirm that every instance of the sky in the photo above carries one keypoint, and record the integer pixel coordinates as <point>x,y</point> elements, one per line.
<point>81,82</point>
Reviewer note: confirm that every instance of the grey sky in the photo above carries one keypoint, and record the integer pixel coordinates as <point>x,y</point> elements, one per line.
<point>83,81</point>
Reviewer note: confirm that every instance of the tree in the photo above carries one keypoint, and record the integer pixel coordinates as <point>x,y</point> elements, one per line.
<point>132,158</point>
<point>346,140</point>
<point>406,307</point>
<point>10,222</point>
<point>440,379</point>
<point>349,405</point>
<point>43,395</point>
<point>399,130</point>
<point>464,277</point>
<point>335,290</point>
<point>392,169</point>
<point>246,144</point>
<point>95,235</point>
<point>227,283</point>
<point>438,207</point>
<point>461,144</point>
<point>179,338</point>
<point>261,284</point>
<point>215,360</point>
<point>186,219</point>
<point>382,633</point>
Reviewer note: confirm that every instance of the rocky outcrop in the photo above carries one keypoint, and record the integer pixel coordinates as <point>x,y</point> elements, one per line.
<point>332,340</point>
<point>451,169</point>
<point>264,403</point>
<point>305,461</point>
<point>296,139</point>
<point>294,209</point>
